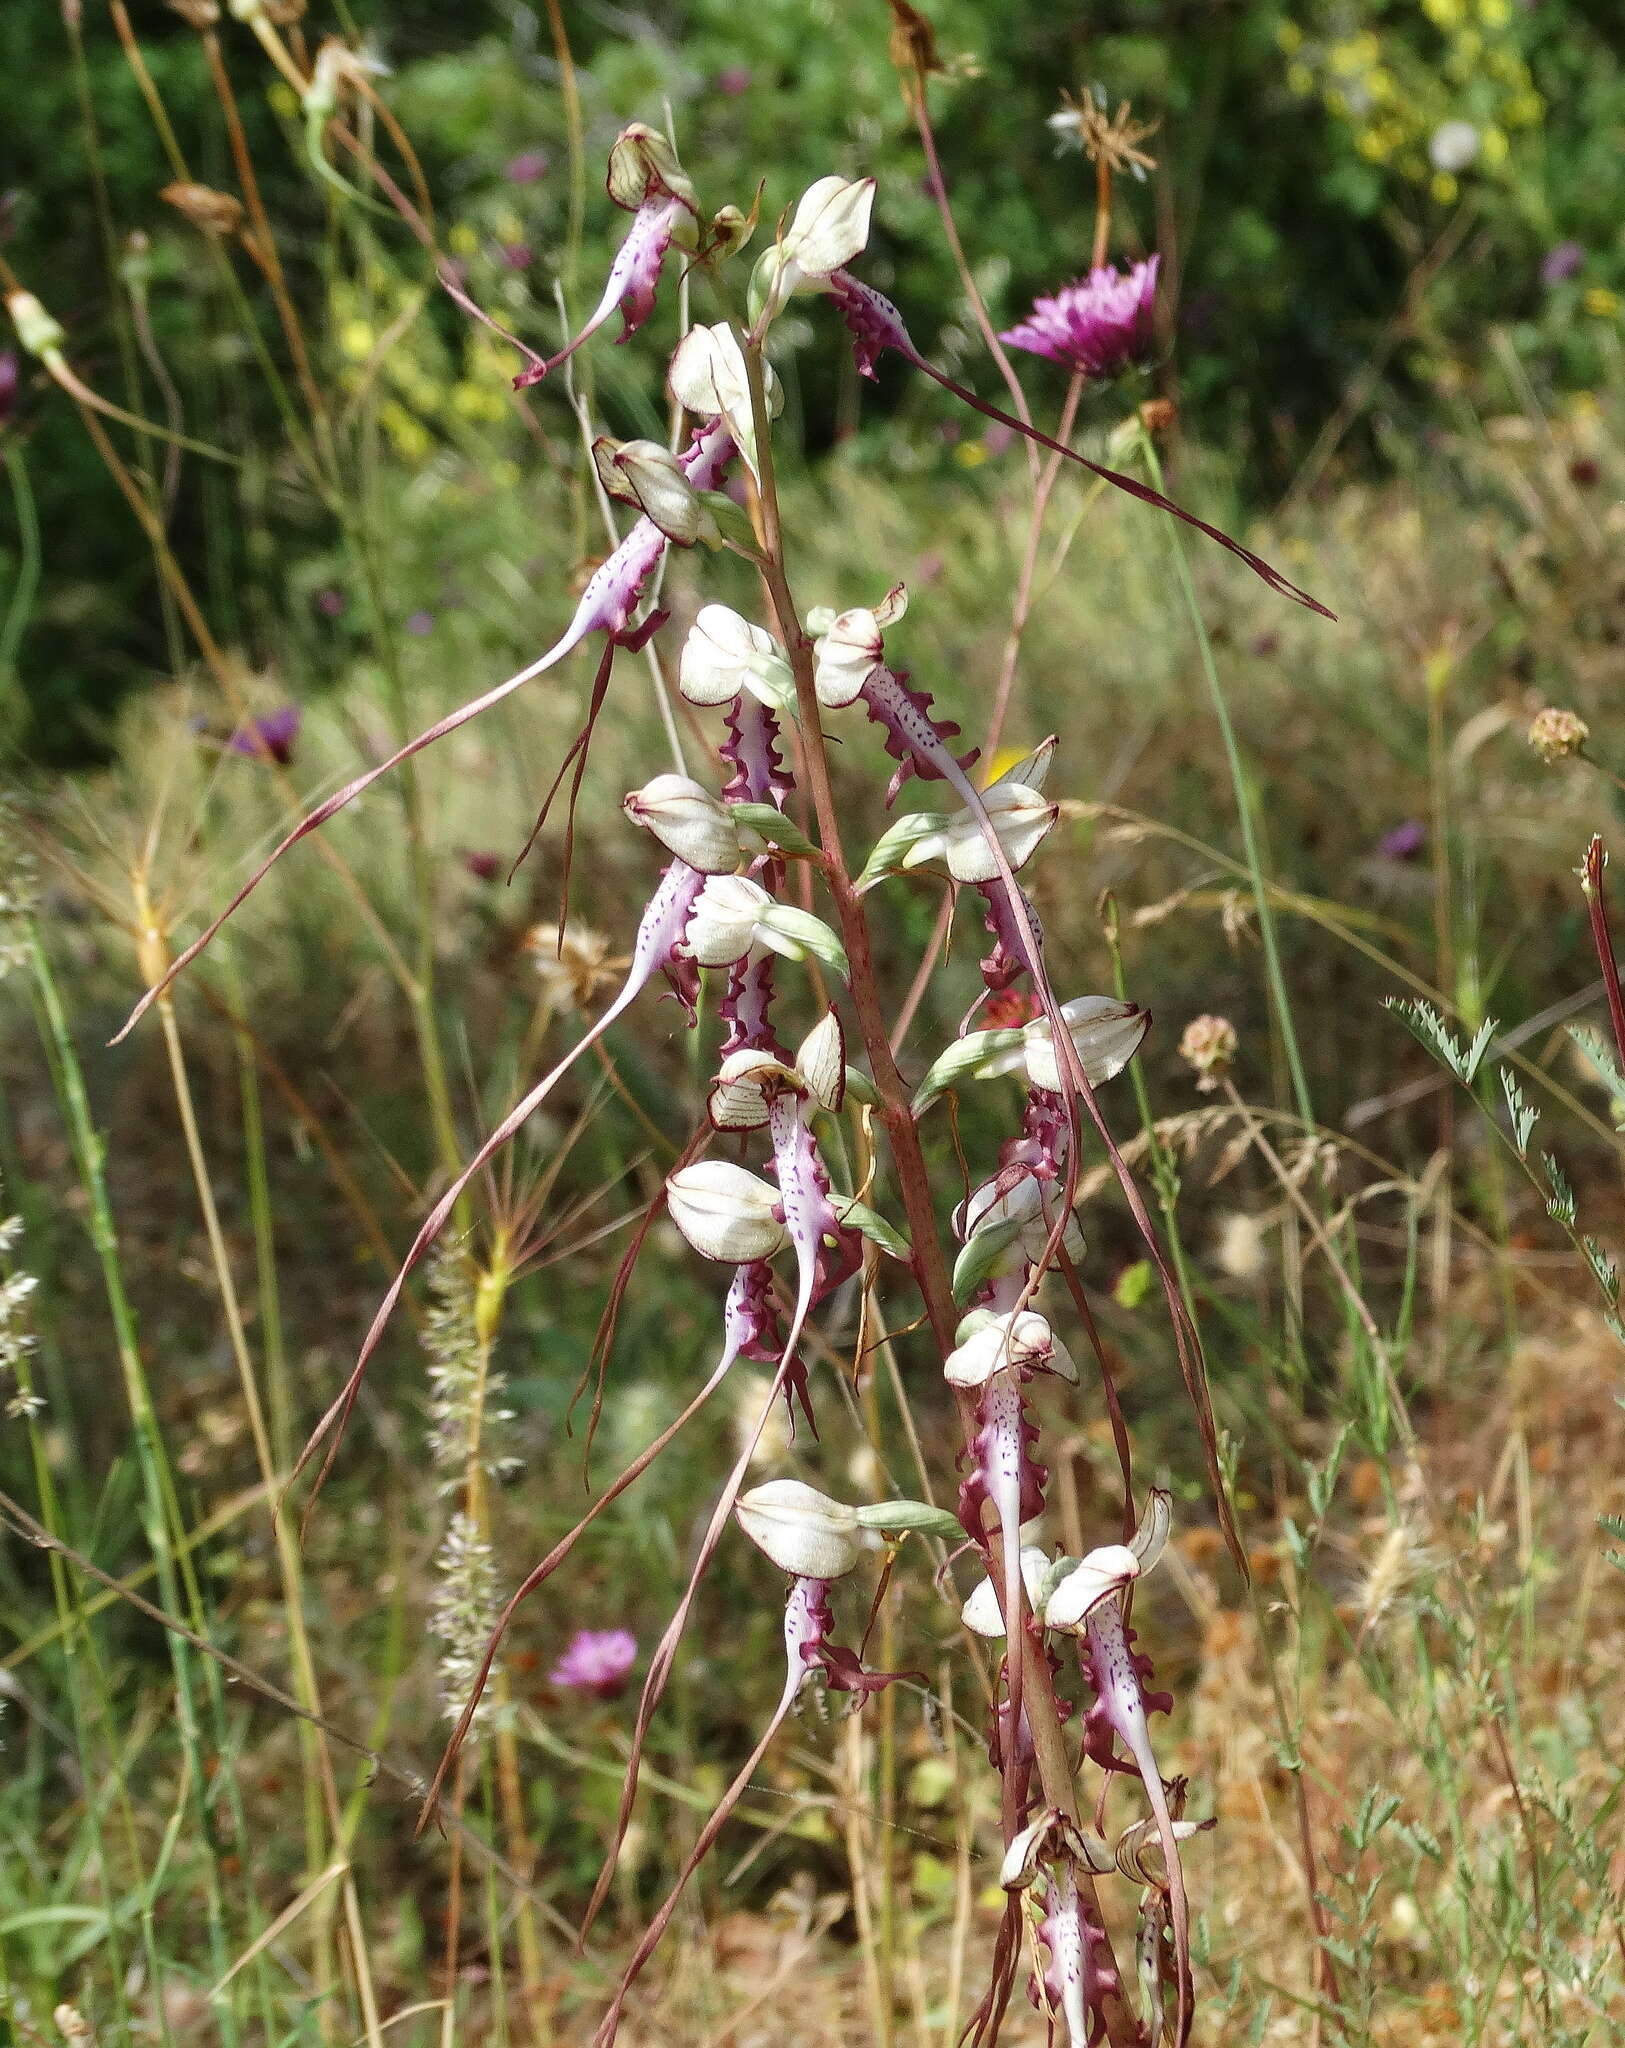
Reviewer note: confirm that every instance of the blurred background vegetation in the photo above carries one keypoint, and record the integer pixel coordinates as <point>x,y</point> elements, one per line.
<point>1372,213</point>
<point>1395,261</point>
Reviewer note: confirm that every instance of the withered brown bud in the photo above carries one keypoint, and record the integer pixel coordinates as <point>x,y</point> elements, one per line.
<point>1159,415</point>
<point>214,213</point>
<point>200,14</point>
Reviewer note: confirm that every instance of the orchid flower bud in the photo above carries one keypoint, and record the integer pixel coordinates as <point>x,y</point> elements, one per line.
<point>983,1612</point>
<point>643,165</point>
<point>1005,1232</point>
<point>725,654</point>
<point>648,475</point>
<point>1106,1033</point>
<point>38,332</point>
<point>688,821</point>
<point>802,1530</point>
<point>830,228</point>
<point>852,647</point>
<point>1022,1342</point>
<point>708,378</point>
<point>732,914</point>
<point>725,1212</point>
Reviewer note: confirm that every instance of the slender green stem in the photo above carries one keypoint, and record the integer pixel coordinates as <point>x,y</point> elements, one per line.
<point>160,1512</point>
<point>1244,801</point>
<point>26,584</point>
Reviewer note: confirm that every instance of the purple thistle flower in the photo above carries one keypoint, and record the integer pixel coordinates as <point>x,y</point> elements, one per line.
<point>527,167</point>
<point>732,82</point>
<point>1564,261</point>
<point>515,255</point>
<point>598,1661</point>
<point>270,737</point>
<point>1099,325</point>
<point>1405,841</point>
<point>420,624</point>
<point>8,383</point>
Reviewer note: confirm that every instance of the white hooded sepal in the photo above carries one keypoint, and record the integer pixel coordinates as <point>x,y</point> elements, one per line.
<point>830,228</point>
<point>708,378</point>
<point>688,821</point>
<point>725,1212</point>
<point>725,654</point>
<point>742,1092</point>
<point>803,1531</point>
<point>851,647</point>
<point>1073,1595</point>
<point>1106,1034</point>
<point>1004,1233</point>
<point>983,1612</point>
<point>647,474</point>
<point>957,844</point>
<point>987,1343</point>
<point>732,914</point>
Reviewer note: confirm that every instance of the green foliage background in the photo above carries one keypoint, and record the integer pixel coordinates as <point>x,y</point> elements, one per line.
<point>1289,244</point>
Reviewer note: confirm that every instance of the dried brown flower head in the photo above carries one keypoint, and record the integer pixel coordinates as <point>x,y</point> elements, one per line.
<point>215,213</point>
<point>572,965</point>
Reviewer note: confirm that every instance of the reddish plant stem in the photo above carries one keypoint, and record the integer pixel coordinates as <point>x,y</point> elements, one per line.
<point>1596,859</point>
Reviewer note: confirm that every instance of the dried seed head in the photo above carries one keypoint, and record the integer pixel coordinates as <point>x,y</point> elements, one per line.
<point>1556,734</point>
<point>1208,1045</point>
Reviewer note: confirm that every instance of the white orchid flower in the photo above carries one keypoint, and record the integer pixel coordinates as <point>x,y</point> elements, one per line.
<point>802,1530</point>
<point>1106,1034</point>
<point>830,228</point>
<point>1020,817</point>
<point>725,1212</point>
<point>852,646</point>
<point>708,378</point>
<point>983,1614</point>
<point>1004,1233</point>
<point>1100,1574</point>
<point>732,914</point>
<point>741,1095</point>
<point>725,654</point>
<point>688,821</point>
<point>988,1343</point>
<point>647,474</point>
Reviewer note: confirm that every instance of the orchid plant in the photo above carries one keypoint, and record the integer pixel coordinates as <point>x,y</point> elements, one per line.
<point>754,886</point>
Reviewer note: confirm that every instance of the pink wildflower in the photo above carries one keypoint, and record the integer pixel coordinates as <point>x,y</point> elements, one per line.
<point>598,1661</point>
<point>1099,325</point>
